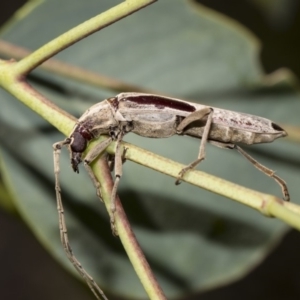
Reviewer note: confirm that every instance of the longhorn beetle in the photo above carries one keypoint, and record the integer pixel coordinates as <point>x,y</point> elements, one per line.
<point>157,116</point>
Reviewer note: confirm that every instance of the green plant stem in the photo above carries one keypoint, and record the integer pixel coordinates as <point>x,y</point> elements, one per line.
<point>128,239</point>
<point>59,118</point>
<point>279,210</point>
<point>266,204</point>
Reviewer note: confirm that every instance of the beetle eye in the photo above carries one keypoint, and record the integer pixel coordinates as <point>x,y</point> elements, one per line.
<point>78,143</point>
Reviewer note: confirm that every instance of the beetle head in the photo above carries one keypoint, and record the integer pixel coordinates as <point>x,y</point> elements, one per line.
<point>79,140</point>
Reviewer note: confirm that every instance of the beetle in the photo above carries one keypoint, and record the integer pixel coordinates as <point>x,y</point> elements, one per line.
<point>156,116</point>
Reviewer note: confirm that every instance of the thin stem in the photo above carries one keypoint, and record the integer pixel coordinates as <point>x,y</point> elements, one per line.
<point>59,118</point>
<point>264,203</point>
<point>278,209</point>
<point>127,237</point>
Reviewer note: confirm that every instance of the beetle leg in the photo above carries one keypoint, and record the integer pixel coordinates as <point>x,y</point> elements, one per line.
<point>118,163</point>
<point>267,171</point>
<point>195,116</point>
<point>90,157</point>
<point>257,165</point>
<point>63,226</point>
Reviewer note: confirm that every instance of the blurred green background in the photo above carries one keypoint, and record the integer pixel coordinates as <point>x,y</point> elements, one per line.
<point>27,276</point>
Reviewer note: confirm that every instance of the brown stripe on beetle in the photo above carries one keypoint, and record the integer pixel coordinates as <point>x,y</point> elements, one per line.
<point>159,102</point>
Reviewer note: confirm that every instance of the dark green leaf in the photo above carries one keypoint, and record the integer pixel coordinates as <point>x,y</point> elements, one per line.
<point>193,239</point>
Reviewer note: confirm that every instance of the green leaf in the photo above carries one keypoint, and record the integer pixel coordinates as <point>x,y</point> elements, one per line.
<point>194,240</point>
